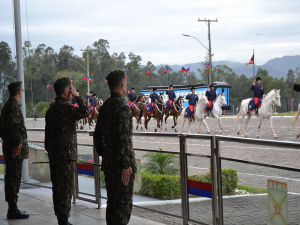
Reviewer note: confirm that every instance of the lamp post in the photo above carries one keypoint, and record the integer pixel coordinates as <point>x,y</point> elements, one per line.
<point>88,87</point>
<point>210,64</point>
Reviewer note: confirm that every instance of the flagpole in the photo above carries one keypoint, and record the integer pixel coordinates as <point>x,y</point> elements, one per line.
<point>253,64</point>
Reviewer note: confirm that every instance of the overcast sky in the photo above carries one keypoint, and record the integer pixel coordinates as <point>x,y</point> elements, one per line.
<point>153,29</point>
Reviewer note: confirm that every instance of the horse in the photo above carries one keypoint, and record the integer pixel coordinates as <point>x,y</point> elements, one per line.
<point>137,109</point>
<point>158,113</point>
<point>199,108</point>
<point>264,112</point>
<point>95,114</point>
<point>215,113</point>
<point>178,105</point>
<point>295,120</point>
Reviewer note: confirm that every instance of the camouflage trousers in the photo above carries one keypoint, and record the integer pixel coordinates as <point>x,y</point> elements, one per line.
<point>13,175</point>
<point>62,177</point>
<point>119,199</point>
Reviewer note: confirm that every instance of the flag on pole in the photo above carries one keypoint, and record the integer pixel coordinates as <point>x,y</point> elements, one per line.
<point>89,78</point>
<point>166,70</point>
<point>72,80</point>
<point>107,74</point>
<point>185,70</point>
<point>126,74</point>
<point>251,60</point>
<point>84,78</point>
<point>207,65</point>
<point>48,86</point>
<point>149,71</point>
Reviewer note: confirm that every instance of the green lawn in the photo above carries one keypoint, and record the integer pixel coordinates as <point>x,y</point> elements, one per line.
<point>1,169</point>
<point>252,190</point>
<point>285,114</point>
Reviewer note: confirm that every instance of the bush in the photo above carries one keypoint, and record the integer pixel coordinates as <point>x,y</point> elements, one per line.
<point>42,107</point>
<point>161,163</point>
<point>164,186</point>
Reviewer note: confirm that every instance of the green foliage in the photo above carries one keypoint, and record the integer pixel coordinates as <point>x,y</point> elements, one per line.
<point>252,190</point>
<point>1,169</point>
<point>42,107</point>
<point>161,163</point>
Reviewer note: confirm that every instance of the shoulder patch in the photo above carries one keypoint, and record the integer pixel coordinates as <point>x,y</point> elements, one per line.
<point>124,104</point>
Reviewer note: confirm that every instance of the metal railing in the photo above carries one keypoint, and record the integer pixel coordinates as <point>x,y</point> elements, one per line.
<point>215,163</point>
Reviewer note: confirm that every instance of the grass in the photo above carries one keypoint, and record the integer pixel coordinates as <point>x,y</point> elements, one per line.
<point>285,114</point>
<point>1,169</point>
<point>252,190</point>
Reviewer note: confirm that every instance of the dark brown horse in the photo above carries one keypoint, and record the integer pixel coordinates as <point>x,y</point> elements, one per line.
<point>158,113</point>
<point>137,110</point>
<point>175,112</point>
<point>95,114</point>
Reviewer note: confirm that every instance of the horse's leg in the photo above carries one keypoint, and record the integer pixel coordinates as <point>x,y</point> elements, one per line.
<point>273,131</point>
<point>198,127</point>
<point>137,122</point>
<point>183,124</point>
<point>141,124</point>
<point>240,123</point>
<point>205,126</point>
<point>246,123</point>
<point>257,132</point>
<point>175,118</point>
<point>190,122</point>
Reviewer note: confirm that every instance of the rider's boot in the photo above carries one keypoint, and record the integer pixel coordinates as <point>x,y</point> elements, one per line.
<point>256,112</point>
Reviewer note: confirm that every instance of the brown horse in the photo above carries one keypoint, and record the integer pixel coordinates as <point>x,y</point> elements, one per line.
<point>95,114</point>
<point>137,110</point>
<point>175,112</point>
<point>158,113</point>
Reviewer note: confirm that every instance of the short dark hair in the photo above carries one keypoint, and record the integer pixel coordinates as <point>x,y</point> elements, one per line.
<point>59,90</point>
<point>115,84</point>
<point>14,91</point>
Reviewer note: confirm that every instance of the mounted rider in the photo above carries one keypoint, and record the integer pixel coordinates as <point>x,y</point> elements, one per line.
<point>132,96</point>
<point>259,93</point>
<point>90,97</point>
<point>154,99</point>
<point>211,97</point>
<point>172,98</point>
<point>93,104</point>
<point>74,101</point>
<point>193,99</point>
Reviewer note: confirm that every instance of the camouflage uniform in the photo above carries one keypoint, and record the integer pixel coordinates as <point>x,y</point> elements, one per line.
<point>61,145</point>
<point>115,126</point>
<point>14,130</point>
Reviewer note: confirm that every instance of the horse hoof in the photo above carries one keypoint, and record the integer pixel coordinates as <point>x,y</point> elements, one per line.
<point>245,135</point>
<point>257,136</point>
<point>238,133</point>
<point>175,130</point>
<point>298,136</point>
<point>276,137</point>
<point>155,130</point>
<point>221,132</point>
<point>208,132</point>
<point>172,126</point>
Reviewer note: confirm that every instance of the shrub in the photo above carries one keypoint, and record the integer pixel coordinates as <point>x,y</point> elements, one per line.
<point>161,163</point>
<point>42,107</point>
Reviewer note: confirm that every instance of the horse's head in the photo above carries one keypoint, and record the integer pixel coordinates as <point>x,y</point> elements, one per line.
<point>203,101</point>
<point>161,98</point>
<point>99,102</point>
<point>144,99</point>
<point>223,100</point>
<point>180,101</point>
<point>276,98</point>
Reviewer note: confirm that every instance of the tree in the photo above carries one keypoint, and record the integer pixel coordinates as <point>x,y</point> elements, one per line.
<point>262,73</point>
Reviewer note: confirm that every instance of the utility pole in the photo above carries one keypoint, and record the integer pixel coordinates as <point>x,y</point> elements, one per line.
<point>209,42</point>
<point>87,67</point>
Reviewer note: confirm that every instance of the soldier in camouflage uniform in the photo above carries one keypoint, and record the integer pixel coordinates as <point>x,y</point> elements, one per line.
<point>15,148</point>
<point>114,131</point>
<point>61,145</point>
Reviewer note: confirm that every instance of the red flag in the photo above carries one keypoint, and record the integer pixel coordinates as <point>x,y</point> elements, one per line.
<point>48,86</point>
<point>251,60</point>
<point>149,72</point>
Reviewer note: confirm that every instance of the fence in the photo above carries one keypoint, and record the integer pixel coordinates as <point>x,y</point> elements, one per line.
<point>221,209</point>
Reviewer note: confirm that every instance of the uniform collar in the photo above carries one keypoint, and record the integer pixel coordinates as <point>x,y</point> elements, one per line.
<point>12,99</point>
<point>116,94</point>
<point>61,99</point>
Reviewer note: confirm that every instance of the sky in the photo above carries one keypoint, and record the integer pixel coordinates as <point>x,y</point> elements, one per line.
<point>153,29</point>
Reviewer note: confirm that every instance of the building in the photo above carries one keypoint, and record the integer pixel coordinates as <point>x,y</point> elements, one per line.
<point>183,90</point>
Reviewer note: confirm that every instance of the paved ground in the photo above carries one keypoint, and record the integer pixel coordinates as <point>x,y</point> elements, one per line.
<point>256,176</point>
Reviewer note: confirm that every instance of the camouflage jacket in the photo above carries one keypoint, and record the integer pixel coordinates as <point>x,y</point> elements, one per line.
<point>60,132</point>
<point>115,126</point>
<point>14,130</point>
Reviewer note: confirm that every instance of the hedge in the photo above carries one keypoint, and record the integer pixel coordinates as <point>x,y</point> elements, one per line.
<point>165,187</point>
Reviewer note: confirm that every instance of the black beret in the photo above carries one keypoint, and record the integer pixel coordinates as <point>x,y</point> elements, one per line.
<point>258,78</point>
<point>94,95</point>
<point>297,87</point>
<point>132,89</point>
<point>62,82</point>
<point>116,75</point>
<point>193,88</point>
<point>14,85</point>
<point>171,85</point>
<point>154,89</point>
<point>91,92</point>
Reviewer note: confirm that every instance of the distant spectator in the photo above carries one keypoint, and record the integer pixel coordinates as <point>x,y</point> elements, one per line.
<point>34,114</point>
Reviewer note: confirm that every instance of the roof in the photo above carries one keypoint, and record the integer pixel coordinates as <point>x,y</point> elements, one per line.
<point>217,84</point>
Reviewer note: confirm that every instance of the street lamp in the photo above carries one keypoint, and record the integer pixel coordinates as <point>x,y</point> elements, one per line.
<point>207,50</point>
<point>85,70</point>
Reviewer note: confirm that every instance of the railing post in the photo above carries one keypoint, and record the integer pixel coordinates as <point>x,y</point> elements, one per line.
<point>96,174</point>
<point>213,180</point>
<point>75,187</point>
<point>183,180</point>
<point>219,180</point>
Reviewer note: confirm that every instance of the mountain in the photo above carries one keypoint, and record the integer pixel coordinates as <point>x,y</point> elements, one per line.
<point>277,67</point>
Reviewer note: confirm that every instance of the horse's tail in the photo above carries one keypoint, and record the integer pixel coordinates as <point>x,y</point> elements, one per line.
<point>296,117</point>
<point>238,116</point>
<point>180,116</point>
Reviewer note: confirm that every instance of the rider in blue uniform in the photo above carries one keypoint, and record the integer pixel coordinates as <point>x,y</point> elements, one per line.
<point>132,96</point>
<point>90,97</point>
<point>193,99</point>
<point>93,103</point>
<point>259,93</point>
<point>154,98</point>
<point>211,97</point>
<point>172,96</point>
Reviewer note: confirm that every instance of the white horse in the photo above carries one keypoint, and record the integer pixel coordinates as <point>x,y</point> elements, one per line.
<point>202,103</point>
<point>264,112</point>
<point>295,120</point>
<point>215,113</point>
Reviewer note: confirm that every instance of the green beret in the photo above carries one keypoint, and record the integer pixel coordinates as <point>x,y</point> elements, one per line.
<point>62,81</point>
<point>116,75</point>
<point>14,85</point>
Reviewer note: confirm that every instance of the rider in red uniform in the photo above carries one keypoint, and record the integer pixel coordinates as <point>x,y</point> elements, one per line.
<point>259,93</point>
<point>132,96</point>
<point>211,96</point>
<point>90,97</point>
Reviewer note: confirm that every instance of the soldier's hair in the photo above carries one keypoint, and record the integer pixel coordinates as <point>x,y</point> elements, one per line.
<point>14,91</point>
<point>59,90</point>
<point>115,84</point>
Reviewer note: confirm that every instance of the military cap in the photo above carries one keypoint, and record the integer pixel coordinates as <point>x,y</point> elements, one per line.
<point>211,85</point>
<point>14,84</point>
<point>171,86</point>
<point>91,92</point>
<point>193,88</point>
<point>154,89</point>
<point>62,82</point>
<point>94,95</point>
<point>297,87</point>
<point>116,75</point>
<point>132,89</point>
<point>258,78</point>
